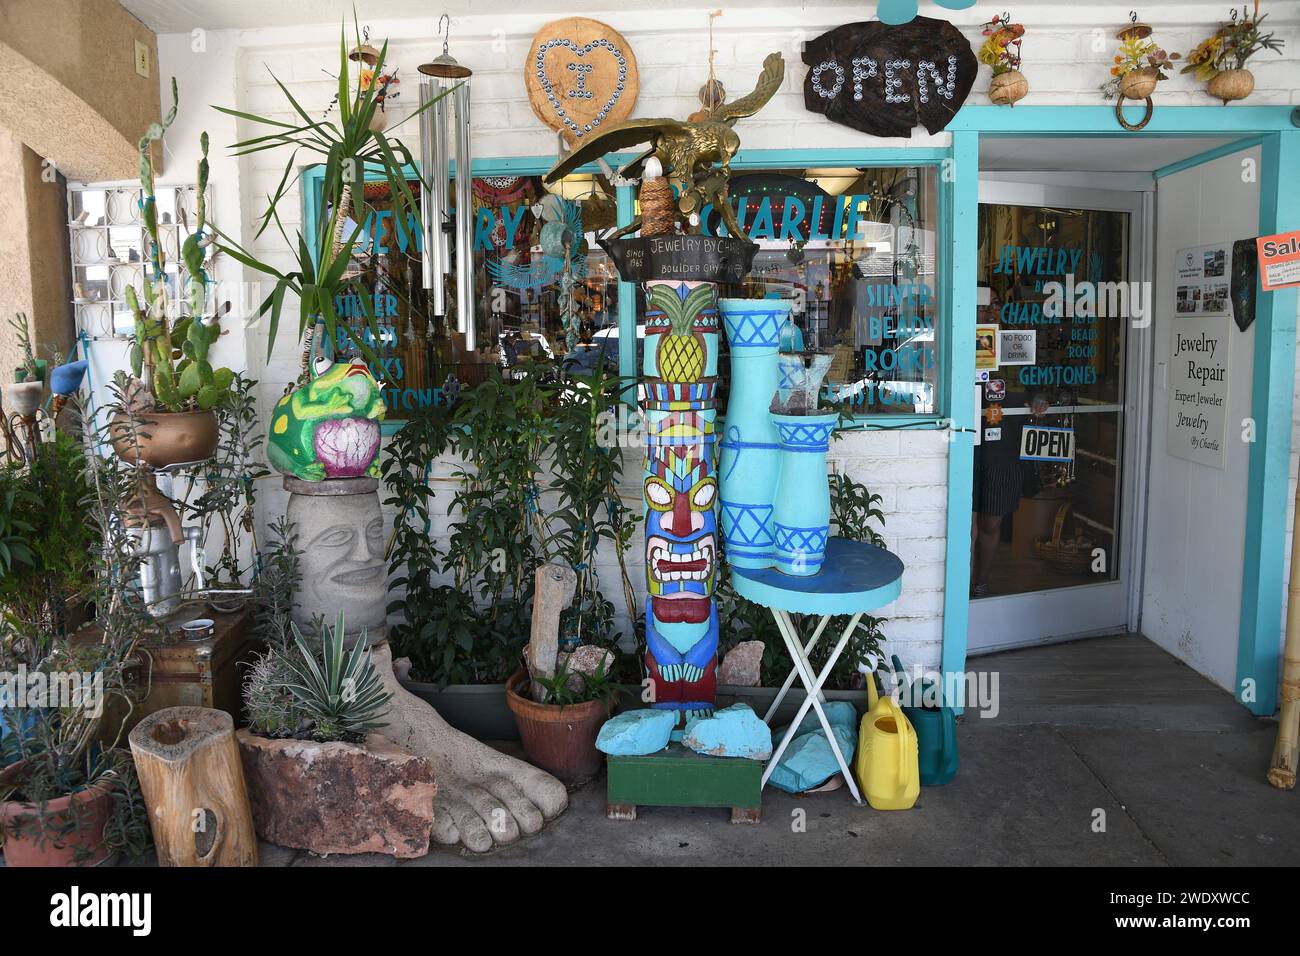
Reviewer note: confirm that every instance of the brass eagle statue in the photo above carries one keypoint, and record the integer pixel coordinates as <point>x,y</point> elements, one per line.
<point>696,154</point>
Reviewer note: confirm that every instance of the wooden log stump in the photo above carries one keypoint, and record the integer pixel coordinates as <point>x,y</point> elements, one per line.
<point>193,786</point>
<point>553,590</point>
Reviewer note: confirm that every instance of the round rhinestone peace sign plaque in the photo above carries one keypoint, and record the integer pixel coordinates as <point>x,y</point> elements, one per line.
<point>580,75</point>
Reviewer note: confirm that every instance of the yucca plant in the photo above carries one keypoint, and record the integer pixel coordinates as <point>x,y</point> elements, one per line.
<point>349,148</point>
<point>341,694</point>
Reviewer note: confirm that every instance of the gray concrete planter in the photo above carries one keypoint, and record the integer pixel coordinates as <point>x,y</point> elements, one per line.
<point>476,709</point>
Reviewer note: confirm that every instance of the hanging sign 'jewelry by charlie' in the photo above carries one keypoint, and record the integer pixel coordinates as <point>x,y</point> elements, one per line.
<point>580,75</point>
<point>885,80</point>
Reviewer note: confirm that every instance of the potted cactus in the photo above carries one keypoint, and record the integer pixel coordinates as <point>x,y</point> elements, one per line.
<point>1219,61</point>
<point>178,387</point>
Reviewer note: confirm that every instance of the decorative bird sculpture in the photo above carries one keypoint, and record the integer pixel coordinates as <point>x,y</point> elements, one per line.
<point>696,155</point>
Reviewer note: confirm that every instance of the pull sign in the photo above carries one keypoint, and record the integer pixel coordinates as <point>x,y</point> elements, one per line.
<point>1046,443</point>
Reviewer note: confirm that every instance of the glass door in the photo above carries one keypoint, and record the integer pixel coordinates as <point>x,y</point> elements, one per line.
<point>1051,509</point>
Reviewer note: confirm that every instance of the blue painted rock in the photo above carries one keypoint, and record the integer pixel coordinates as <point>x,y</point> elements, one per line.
<point>635,733</point>
<point>808,761</point>
<point>734,731</point>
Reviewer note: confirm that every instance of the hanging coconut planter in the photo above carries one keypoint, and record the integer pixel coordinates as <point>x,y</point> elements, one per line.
<point>1219,61</point>
<point>1231,85</point>
<point>1007,89</point>
<point>1140,65</point>
<point>1002,52</point>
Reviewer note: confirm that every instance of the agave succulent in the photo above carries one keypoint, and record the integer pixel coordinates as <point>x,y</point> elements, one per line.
<point>341,693</point>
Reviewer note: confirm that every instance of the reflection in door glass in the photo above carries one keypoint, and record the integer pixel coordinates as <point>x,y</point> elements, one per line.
<point>1050,340</point>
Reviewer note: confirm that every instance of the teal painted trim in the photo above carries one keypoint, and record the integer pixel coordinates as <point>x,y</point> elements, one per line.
<point>627,369</point>
<point>960,209</point>
<point>1226,149</point>
<point>1100,120</point>
<point>880,423</point>
<point>1259,641</point>
<point>854,156</point>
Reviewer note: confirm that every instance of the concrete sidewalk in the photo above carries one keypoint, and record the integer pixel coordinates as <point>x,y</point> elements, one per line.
<point>1111,726</point>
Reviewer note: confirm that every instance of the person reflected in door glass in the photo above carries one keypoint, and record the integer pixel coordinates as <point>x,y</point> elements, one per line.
<point>998,472</point>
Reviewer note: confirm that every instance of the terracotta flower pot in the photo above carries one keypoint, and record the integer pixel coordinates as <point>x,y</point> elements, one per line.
<point>1139,84</point>
<point>167,438</point>
<point>85,839</point>
<point>1231,85</point>
<point>1007,89</point>
<point>560,740</point>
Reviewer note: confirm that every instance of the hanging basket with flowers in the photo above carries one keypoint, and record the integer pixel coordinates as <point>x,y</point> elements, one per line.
<point>1002,52</point>
<point>1140,64</point>
<point>1219,61</point>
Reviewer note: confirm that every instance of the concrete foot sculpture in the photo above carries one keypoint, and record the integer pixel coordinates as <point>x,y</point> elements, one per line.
<point>485,798</point>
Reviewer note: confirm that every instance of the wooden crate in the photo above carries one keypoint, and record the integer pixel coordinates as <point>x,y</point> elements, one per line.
<point>193,673</point>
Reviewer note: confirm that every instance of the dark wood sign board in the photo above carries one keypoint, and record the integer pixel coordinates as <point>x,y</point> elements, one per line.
<point>886,80</point>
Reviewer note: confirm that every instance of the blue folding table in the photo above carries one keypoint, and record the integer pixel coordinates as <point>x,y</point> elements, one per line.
<point>855,578</point>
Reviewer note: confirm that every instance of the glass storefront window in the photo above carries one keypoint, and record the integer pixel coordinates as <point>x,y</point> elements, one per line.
<point>520,262</point>
<point>856,249</point>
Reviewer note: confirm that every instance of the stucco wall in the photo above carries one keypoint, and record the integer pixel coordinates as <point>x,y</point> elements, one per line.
<point>71,91</point>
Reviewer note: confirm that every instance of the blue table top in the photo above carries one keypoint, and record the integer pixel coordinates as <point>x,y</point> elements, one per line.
<point>855,576</point>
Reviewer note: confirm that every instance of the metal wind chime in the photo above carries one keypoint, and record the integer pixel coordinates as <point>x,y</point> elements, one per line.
<point>435,209</point>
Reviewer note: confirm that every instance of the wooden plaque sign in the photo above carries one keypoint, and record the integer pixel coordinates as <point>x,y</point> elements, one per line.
<point>580,75</point>
<point>885,80</point>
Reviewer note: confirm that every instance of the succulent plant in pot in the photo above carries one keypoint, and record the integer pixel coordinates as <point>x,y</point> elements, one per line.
<point>319,777</point>
<point>1219,60</point>
<point>179,388</point>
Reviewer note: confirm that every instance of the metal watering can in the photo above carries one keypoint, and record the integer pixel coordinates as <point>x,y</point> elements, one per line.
<point>936,730</point>
<point>886,765</point>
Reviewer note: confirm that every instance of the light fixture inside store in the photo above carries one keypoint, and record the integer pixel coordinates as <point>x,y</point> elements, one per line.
<point>572,187</point>
<point>835,181</point>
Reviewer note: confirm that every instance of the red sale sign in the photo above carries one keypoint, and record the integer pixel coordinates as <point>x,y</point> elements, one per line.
<point>1279,260</point>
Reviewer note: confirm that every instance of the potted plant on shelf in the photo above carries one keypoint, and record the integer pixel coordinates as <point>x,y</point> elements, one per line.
<point>1001,50</point>
<point>559,731</point>
<point>1219,61</point>
<point>319,778</point>
<point>178,388</point>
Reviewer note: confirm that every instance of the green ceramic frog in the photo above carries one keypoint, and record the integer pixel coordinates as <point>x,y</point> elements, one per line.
<point>330,427</point>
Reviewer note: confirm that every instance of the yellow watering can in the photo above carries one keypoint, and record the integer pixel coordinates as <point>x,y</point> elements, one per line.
<point>886,763</point>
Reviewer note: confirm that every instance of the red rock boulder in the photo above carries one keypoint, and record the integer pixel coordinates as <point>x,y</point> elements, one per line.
<point>339,797</point>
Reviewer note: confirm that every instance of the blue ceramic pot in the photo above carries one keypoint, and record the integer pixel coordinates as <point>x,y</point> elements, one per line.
<point>802,507</point>
<point>751,453</point>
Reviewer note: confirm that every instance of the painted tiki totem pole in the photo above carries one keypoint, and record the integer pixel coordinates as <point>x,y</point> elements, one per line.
<point>685,172</point>
<point>681,489</point>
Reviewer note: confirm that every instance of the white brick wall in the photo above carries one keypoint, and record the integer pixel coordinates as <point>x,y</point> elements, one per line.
<point>1067,55</point>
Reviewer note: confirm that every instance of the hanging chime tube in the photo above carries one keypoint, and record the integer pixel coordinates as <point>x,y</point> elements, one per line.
<point>441,198</point>
<point>429,174</point>
<point>464,222</point>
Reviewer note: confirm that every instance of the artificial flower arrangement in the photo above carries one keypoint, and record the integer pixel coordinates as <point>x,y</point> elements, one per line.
<point>1219,61</point>
<point>1002,52</point>
<point>1139,65</point>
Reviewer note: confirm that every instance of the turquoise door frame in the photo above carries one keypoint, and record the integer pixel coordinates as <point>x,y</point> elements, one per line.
<point>1271,127</point>
<point>1274,129</point>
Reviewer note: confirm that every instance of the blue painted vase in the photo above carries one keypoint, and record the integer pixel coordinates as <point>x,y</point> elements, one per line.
<point>751,453</point>
<point>802,506</point>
